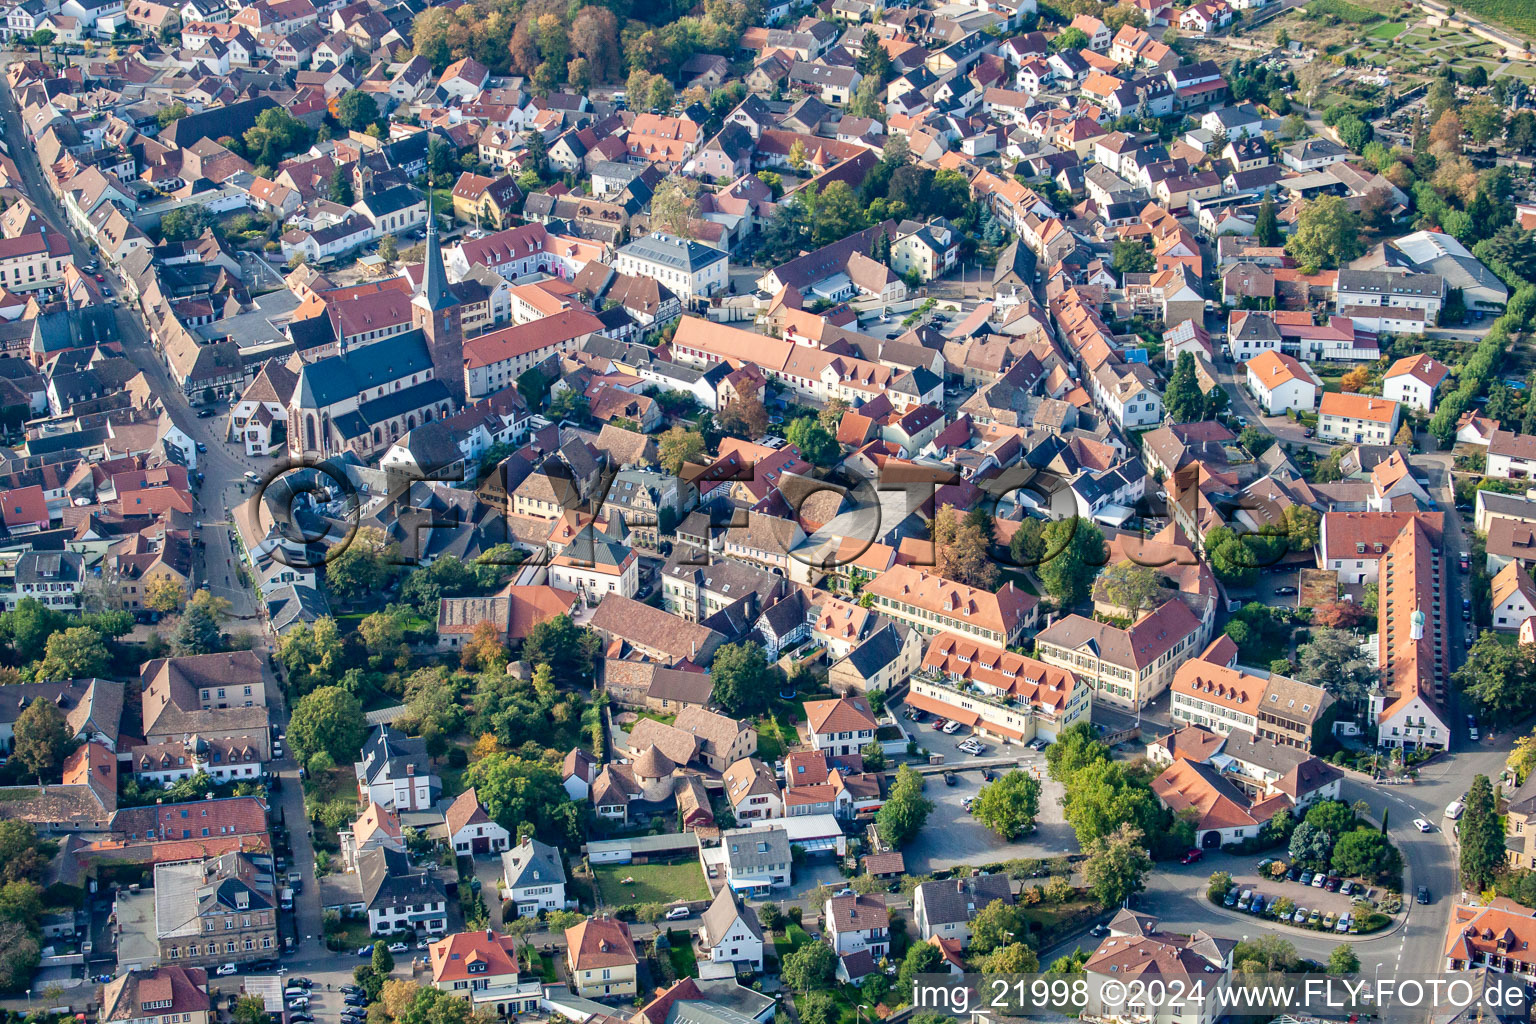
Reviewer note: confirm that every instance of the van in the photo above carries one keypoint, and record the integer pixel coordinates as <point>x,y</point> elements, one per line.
<point>1454,810</point>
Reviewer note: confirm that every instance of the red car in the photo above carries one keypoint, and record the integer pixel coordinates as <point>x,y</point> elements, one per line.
<point>100,277</point>
<point>1193,855</point>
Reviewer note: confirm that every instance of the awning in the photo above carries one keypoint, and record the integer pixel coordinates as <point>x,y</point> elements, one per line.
<point>940,708</point>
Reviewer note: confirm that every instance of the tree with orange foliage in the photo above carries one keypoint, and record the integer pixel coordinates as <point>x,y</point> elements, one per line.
<point>485,651</point>
<point>1338,615</point>
<point>1355,380</point>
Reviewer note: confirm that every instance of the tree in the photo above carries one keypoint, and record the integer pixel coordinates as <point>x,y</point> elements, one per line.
<point>1523,757</point>
<point>364,567</point>
<point>817,446</point>
<point>905,809</point>
<point>1343,960</point>
<point>798,156</point>
<point>516,791</point>
<point>389,249</point>
<point>1183,400</point>
<point>169,115</point>
<point>28,626</point>
<point>1366,853</point>
<point>1076,747</point>
<point>1074,553</point>
<point>1008,805</point>
<point>1481,836</point>
<point>1027,548</point>
<point>873,61</point>
<point>873,756</point>
<point>995,926</point>
<point>1497,678</point>
<point>383,962</point>
<point>1338,615</point>
<point>537,153</point>
<point>1131,257</point>
<point>1014,958</point>
<point>198,632</point>
<point>77,653</point>
<point>570,650</point>
<point>1333,816</point>
<point>314,655</point>
<point>743,681</point>
<point>961,551</point>
<point>809,968</point>
<point>594,35</point>
<point>164,594</point>
<point>1266,954</point>
<point>832,414</point>
<point>1115,866</point>
<point>182,224</point>
<point>1302,526</point>
<point>678,447</point>
<point>1327,234</point>
<point>484,651</point>
<point>356,110</point>
<point>251,1010</point>
<point>339,187</point>
<point>1217,885</point>
<point>20,954</point>
<point>1105,795</point>
<point>673,204</point>
<point>1131,586</point>
<point>1333,660</point>
<point>328,719</point>
<point>745,417</point>
<point>1069,39</point>
<point>922,958</point>
<point>41,738</point>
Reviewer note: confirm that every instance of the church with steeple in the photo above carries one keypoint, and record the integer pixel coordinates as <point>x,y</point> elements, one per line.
<point>368,396</point>
<point>435,312</point>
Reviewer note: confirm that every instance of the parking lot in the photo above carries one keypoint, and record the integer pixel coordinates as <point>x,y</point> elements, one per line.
<point>951,835</point>
<point>1246,876</point>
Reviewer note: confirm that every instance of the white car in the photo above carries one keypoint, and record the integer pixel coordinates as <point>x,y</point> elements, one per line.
<point>399,947</point>
<point>1422,825</point>
<point>951,728</point>
<point>252,477</point>
<point>677,913</point>
<point>299,1003</point>
<point>226,970</point>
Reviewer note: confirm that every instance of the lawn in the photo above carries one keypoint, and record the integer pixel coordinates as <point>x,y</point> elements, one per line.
<point>776,733</point>
<point>347,935</point>
<point>684,963</point>
<point>791,939</point>
<point>547,969</point>
<point>653,883</point>
<point>1389,30</point>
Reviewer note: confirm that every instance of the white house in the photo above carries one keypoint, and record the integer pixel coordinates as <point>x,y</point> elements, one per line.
<point>946,908</point>
<point>1412,380</point>
<point>858,922</point>
<point>729,932</point>
<point>1281,383</point>
<point>471,830</point>
<point>752,790</point>
<point>840,726</point>
<point>691,269</point>
<point>1514,597</point>
<point>1358,419</point>
<point>533,877</point>
<point>1511,456</point>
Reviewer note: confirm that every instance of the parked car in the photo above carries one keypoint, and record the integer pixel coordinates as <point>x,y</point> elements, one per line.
<point>204,414</point>
<point>1343,922</point>
<point>1314,917</point>
<point>1285,591</point>
<point>300,1003</point>
<point>1306,878</point>
<point>1332,885</point>
<point>399,947</point>
<point>677,913</point>
<point>1190,856</point>
<point>950,779</point>
<point>1231,898</point>
<point>1257,906</point>
<point>1245,899</point>
<point>304,983</point>
<point>1328,920</point>
<point>365,950</point>
<point>1454,808</point>
<point>951,727</point>
<point>251,475</point>
<point>1319,880</point>
<point>300,1017</point>
<point>1293,874</point>
<point>225,970</point>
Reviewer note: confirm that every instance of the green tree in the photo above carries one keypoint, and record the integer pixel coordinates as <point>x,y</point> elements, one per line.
<point>1310,844</point>
<point>313,654</point>
<point>339,187</point>
<point>1129,585</point>
<point>516,791</point>
<point>678,447</point>
<point>1105,795</point>
<point>1366,853</point>
<point>1131,257</point>
<point>569,649</point>
<point>41,739</point>
<point>873,61</point>
<point>198,632</point>
<point>1266,954</point>
<point>28,626</point>
<point>995,926</point>
<point>1333,659</point>
<point>365,567</point>
<point>743,681</point>
<point>1343,960</point>
<point>327,719</point>
<point>816,445</point>
<point>1481,836</point>
<point>168,115</point>
<point>1497,678</point>
<point>1014,958</point>
<point>905,809</point>
<point>1008,805</point>
<point>1523,757</point>
<point>873,756</point>
<point>251,1010</point>
<point>1217,885</point>
<point>383,962</point>
<point>921,958</point>
<point>356,110</point>
<point>1183,399</point>
<point>809,968</point>
<point>1074,553</point>
<point>76,653</point>
<point>19,956</point>
<point>1115,866</point>
<point>182,224</point>
<point>1327,234</point>
<point>1076,747</point>
<point>1069,39</point>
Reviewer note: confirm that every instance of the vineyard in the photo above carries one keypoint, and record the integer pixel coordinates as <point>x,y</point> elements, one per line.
<point>1516,15</point>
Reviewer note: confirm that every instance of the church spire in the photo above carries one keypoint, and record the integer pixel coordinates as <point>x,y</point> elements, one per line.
<point>434,279</point>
